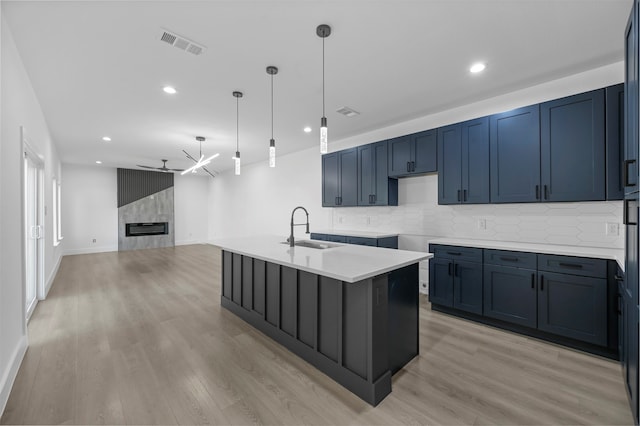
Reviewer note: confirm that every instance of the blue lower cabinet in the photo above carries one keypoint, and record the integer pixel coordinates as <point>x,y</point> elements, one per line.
<point>385,242</point>
<point>467,286</point>
<point>441,282</point>
<point>510,294</point>
<point>362,241</point>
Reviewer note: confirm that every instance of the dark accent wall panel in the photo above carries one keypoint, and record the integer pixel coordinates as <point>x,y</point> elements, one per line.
<point>227,274</point>
<point>237,279</point>
<point>307,308</point>
<point>259,285</point>
<point>134,185</point>
<point>289,300</point>
<point>247,282</point>
<point>272,313</point>
<point>355,319</point>
<point>329,303</point>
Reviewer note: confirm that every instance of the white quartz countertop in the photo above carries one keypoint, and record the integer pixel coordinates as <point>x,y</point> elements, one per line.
<point>345,262</point>
<point>595,252</point>
<point>364,234</point>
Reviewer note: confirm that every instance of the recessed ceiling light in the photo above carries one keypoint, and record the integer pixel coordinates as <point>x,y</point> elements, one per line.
<point>477,67</point>
<point>106,138</point>
<point>170,90</point>
<point>307,129</point>
<point>98,162</point>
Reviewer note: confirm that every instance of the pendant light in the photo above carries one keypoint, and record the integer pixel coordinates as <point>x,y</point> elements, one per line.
<point>271,70</point>
<point>323,31</point>
<point>237,95</point>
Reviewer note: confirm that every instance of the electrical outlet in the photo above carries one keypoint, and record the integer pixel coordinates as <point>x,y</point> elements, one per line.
<point>612,228</point>
<point>368,220</point>
<point>94,240</point>
<point>482,224</point>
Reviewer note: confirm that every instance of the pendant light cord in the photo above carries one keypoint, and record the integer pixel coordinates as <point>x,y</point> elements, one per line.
<point>237,124</point>
<point>323,76</point>
<point>271,106</point>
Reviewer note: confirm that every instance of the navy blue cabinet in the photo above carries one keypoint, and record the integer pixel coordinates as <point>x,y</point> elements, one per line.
<point>515,155</point>
<point>455,278</point>
<point>630,165</point>
<point>413,154</point>
<point>572,147</point>
<point>340,178</point>
<point>630,300</point>
<point>463,162</point>
<point>375,188</point>
<point>385,242</point>
<point>614,125</point>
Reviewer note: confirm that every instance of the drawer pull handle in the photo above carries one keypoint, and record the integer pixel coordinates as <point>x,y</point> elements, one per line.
<point>454,253</point>
<point>455,270</point>
<point>571,265</point>
<point>618,277</point>
<point>533,281</point>
<point>509,259</point>
<point>541,282</point>
<point>450,266</point>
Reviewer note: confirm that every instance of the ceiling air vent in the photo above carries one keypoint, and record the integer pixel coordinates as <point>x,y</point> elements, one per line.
<point>346,111</point>
<point>181,43</point>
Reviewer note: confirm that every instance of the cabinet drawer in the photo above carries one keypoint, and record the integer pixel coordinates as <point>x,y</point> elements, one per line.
<point>321,237</point>
<point>362,241</point>
<point>456,253</point>
<point>516,259</point>
<point>583,266</point>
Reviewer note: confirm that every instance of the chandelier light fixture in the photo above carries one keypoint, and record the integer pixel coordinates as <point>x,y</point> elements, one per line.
<point>201,162</point>
<point>237,95</point>
<point>271,70</point>
<point>323,31</point>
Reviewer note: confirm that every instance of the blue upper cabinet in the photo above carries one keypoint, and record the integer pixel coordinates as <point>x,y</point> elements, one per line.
<point>515,155</point>
<point>375,188</point>
<point>572,148</point>
<point>340,178</point>
<point>614,125</point>
<point>450,164</point>
<point>630,164</point>
<point>475,157</point>
<point>413,154</point>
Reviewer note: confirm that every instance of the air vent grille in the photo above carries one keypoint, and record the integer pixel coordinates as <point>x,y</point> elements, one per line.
<point>348,112</point>
<point>181,43</point>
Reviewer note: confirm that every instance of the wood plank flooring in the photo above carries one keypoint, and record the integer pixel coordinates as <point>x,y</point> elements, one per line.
<point>139,337</point>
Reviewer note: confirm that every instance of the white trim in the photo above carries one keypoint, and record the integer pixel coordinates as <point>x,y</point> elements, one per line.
<point>105,249</point>
<point>52,277</point>
<point>188,242</point>
<point>9,375</point>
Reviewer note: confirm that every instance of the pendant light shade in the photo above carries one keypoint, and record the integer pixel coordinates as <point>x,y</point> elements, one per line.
<point>271,70</point>
<point>323,31</point>
<point>236,159</point>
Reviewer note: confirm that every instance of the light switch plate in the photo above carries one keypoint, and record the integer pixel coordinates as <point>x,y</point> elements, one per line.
<point>613,229</point>
<point>482,224</point>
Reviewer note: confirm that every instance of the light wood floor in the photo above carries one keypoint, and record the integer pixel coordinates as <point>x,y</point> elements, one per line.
<point>140,338</point>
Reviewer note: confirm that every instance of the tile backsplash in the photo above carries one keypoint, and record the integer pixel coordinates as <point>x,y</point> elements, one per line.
<point>418,219</point>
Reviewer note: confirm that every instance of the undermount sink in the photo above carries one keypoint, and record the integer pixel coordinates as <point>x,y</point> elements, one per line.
<point>313,244</point>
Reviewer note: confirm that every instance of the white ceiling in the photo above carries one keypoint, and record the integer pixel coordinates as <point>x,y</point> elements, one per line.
<point>98,68</point>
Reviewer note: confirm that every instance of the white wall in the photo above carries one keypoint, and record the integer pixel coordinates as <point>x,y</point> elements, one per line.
<point>90,197</point>
<point>19,107</point>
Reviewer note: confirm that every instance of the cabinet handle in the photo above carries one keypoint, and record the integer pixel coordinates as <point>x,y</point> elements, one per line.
<point>374,198</point>
<point>541,282</point>
<point>458,195</point>
<point>537,192</point>
<point>533,281</point>
<point>618,277</point>
<point>546,192</point>
<point>337,202</point>
<point>509,259</point>
<point>340,201</point>
<point>454,253</point>
<point>627,163</point>
<point>413,166</point>
<point>408,166</point>
<point>570,265</point>
<point>455,270</point>
<point>464,195</point>
<point>369,198</point>
<point>450,267</point>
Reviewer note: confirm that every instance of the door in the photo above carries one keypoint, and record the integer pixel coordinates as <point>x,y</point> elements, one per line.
<point>330,190</point>
<point>33,230</point>
<point>510,294</point>
<point>366,172</point>
<point>615,141</point>
<point>475,161</point>
<point>449,164</point>
<point>348,177</point>
<point>381,183</point>
<point>424,157</point>
<point>630,166</point>
<point>467,286</point>
<point>572,144</point>
<point>441,281</point>
<point>399,156</point>
<point>515,155</point>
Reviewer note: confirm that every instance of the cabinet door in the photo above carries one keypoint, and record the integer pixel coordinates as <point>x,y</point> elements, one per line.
<point>362,241</point>
<point>630,366</point>
<point>573,306</point>
<point>424,147</point>
<point>366,174</point>
<point>467,287</point>
<point>441,281</point>
<point>450,165</point>
<point>399,156</point>
<point>385,190</point>
<point>330,179</point>
<point>630,165</point>
<point>615,141</point>
<point>510,294</point>
<point>572,147</point>
<point>348,177</point>
<point>475,161</point>
<point>515,155</point>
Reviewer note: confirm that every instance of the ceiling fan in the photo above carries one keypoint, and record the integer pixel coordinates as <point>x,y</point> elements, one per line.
<point>201,162</point>
<point>164,167</point>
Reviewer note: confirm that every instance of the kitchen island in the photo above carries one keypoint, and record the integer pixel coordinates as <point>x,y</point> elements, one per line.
<point>351,311</point>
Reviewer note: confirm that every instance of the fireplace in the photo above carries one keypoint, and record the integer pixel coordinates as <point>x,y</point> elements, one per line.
<point>148,228</point>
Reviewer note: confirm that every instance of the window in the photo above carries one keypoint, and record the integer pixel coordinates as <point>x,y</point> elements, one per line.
<point>56,210</point>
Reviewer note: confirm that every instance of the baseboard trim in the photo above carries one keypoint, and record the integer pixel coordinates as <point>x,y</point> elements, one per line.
<point>90,250</point>
<point>9,375</point>
<point>52,277</point>
<point>187,242</point>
